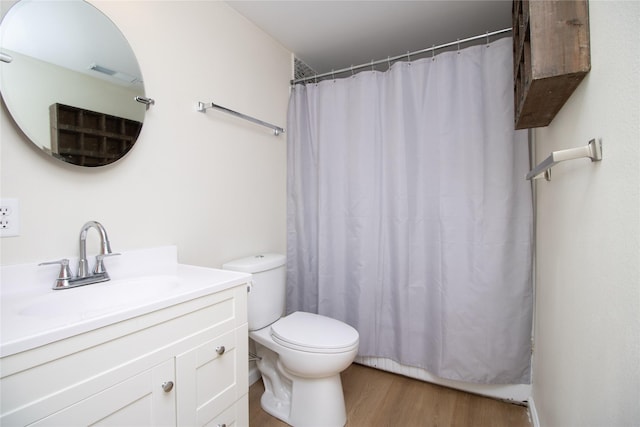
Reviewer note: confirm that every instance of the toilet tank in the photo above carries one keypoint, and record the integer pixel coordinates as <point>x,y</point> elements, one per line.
<point>266,300</point>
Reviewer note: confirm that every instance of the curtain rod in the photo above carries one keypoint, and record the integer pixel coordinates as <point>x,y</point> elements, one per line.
<point>406,55</point>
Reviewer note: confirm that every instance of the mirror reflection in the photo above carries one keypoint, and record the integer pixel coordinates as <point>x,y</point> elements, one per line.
<point>69,79</point>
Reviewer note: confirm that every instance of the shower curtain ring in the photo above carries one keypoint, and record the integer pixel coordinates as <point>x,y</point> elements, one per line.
<point>333,75</point>
<point>458,46</point>
<point>487,38</point>
<point>352,73</point>
<point>433,52</point>
<point>409,57</point>
<point>388,63</point>
<point>372,69</point>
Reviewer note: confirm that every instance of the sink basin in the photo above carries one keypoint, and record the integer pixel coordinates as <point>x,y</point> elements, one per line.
<point>102,298</point>
<point>33,314</point>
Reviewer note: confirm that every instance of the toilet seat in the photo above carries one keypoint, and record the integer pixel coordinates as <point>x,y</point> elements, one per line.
<point>314,333</point>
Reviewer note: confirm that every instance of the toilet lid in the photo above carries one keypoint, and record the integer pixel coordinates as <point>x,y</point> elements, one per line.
<point>314,333</point>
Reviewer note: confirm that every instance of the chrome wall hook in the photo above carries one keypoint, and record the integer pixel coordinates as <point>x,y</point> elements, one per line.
<point>145,101</point>
<point>5,57</point>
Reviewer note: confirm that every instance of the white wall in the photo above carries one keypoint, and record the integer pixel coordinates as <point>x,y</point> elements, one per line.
<point>586,364</point>
<point>211,184</point>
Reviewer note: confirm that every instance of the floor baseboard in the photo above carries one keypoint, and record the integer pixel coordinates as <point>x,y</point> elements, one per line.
<point>533,413</point>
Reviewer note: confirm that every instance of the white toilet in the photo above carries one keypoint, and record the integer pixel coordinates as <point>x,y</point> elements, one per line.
<point>301,355</point>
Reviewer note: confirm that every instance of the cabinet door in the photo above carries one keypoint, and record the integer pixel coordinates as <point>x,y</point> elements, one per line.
<point>211,379</point>
<point>139,400</point>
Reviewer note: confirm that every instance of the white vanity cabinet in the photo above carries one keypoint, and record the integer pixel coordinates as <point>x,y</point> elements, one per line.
<point>185,365</point>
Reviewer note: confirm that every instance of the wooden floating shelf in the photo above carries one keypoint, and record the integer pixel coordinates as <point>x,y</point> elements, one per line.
<point>551,56</point>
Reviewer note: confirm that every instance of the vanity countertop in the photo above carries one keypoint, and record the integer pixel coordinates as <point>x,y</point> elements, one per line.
<point>142,281</point>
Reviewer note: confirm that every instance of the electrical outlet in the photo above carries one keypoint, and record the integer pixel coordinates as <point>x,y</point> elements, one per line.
<point>9,218</point>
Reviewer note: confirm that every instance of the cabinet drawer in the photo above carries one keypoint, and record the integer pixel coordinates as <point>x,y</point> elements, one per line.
<point>139,400</point>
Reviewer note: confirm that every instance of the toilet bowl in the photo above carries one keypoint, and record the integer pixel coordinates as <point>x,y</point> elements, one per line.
<point>304,378</point>
<point>300,356</point>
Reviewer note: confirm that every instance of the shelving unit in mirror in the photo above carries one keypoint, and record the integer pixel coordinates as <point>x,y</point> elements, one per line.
<point>89,138</point>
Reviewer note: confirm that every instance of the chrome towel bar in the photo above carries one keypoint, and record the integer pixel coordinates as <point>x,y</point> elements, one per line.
<point>593,151</point>
<point>202,107</point>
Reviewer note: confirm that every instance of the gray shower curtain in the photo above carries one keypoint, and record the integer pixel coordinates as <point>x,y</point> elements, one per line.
<point>409,217</point>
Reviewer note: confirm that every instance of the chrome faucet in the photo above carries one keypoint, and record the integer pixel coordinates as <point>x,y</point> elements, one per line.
<point>65,280</point>
<point>105,249</point>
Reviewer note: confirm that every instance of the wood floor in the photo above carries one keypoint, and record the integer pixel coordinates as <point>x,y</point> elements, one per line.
<point>377,398</point>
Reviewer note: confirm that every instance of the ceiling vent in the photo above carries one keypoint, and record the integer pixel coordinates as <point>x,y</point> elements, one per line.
<point>302,70</point>
<point>123,77</point>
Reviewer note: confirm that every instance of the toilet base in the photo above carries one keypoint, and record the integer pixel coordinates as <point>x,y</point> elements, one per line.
<point>314,403</point>
<point>296,400</point>
<point>323,403</point>
<point>274,406</point>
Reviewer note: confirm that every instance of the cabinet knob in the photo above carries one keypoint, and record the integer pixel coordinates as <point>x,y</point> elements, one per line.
<point>222,425</point>
<point>167,386</point>
<point>220,350</point>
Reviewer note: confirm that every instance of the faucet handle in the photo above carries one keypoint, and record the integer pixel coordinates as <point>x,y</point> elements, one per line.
<point>63,276</point>
<point>99,267</point>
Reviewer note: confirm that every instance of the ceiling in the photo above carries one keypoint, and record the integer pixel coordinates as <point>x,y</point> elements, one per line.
<point>331,35</point>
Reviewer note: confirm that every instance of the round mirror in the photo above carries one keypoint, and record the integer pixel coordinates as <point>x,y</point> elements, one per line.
<point>70,81</point>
